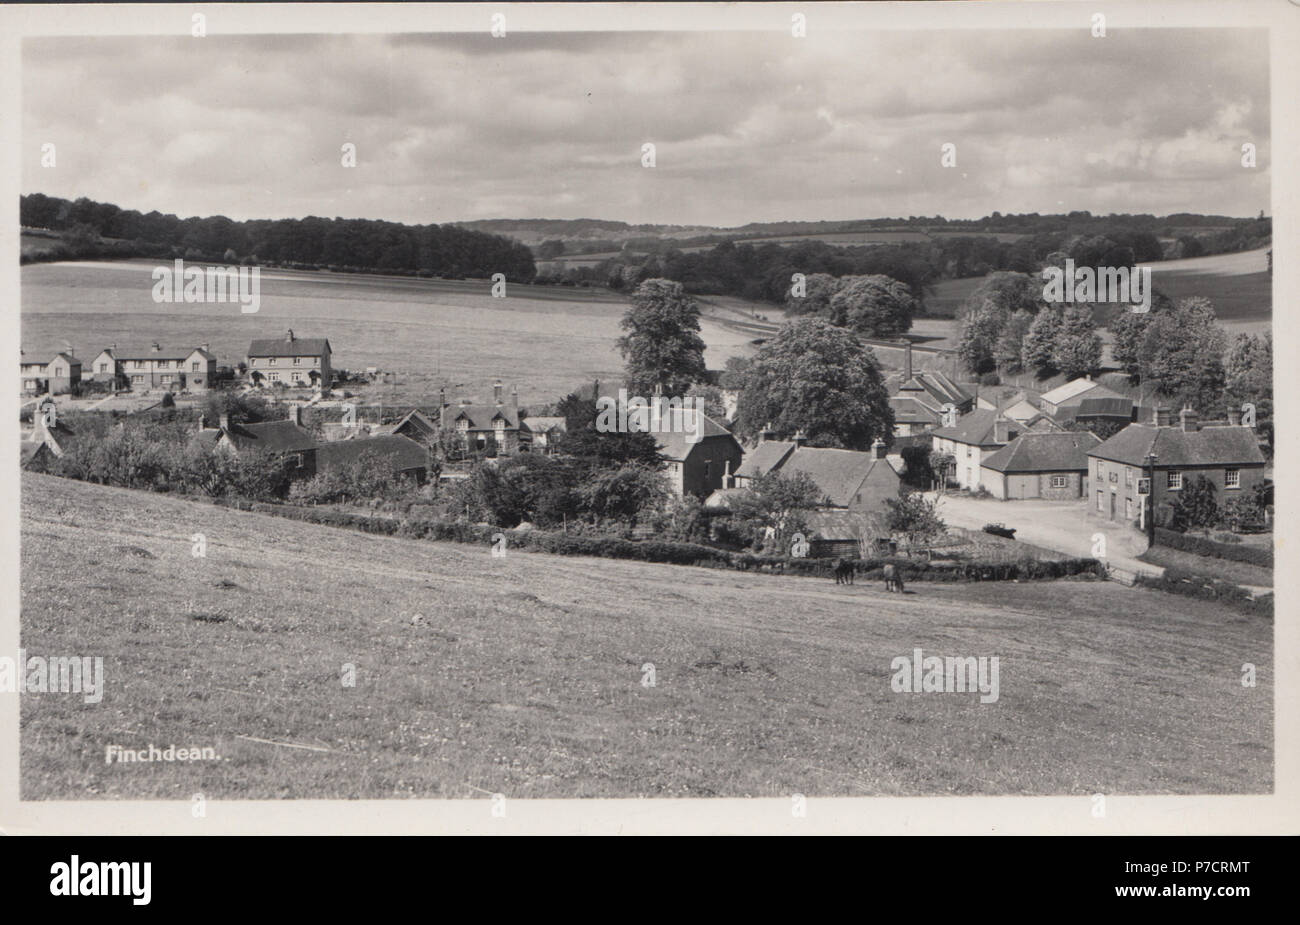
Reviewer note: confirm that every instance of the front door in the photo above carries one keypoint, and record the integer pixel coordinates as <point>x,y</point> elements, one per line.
<point>1112,506</point>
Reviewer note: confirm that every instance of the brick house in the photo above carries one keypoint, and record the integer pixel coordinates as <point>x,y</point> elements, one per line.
<point>701,467</point>
<point>919,400</point>
<point>475,424</point>
<point>1227,454</point>
<point>1052,466</point>
<point>294,361</point>
<point>156,367</point>
<point>54,376</point>
<point>33,373</point>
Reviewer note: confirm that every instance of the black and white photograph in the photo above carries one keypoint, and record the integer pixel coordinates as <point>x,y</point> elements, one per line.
<point>797,404</point>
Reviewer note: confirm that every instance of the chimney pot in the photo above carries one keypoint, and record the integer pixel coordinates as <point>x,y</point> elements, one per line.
<point>1188,420</point>
<point>288,335</point>
<point>225,420</point>
<point>1234,417</point>
<point>800,438</point>
<point>907,361</point>
<point>878,449</point>
<point>1162,417</point>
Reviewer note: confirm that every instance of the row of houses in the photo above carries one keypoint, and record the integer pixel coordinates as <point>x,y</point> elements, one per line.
<point>291,360</point>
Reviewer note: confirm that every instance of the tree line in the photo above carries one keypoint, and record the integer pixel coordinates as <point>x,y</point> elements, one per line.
<point>346,244</point>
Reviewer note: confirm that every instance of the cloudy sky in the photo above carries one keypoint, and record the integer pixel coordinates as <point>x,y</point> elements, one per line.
<point>747,126</point>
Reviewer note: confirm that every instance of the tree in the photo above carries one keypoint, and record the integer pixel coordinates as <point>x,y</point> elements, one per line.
<point>1181,354</point>
<point>815,377</point>
<point>625,494</point>
<point>1007,350</point>
<point>1195,507</point>
<point>941,464</point>
<point>819,289</point>
<point>1248,370</point>
<point>780,502</point>
<point>1038,352</point>
<point>980,332</point>
<point>1078,348</point>
<point>663,347</point>
<point>914,517</point>
<point>873,306</point>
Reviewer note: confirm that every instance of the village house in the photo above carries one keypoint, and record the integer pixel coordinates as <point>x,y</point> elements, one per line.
<point>402,454</point>
<point>56,376</point>
<point>543,433</point>
<point>478,424</point>
<point>293,361</point>
<point>920,399</point>
<point>1226,454</point>
<point>1053,466</point>
<point>704,465</point>
<point>970,441</point>
<point>156,367</point>
<point>848,480</point>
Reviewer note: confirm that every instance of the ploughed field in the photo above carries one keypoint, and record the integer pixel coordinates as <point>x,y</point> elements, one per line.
<point>523,675</point>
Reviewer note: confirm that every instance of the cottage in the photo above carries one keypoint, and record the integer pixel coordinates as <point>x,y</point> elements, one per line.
<point>543,432</point>
<point>156,367</point>
<point>1171,455</point>
<point>920,399</point>
<point>697,466</point>
<point>1053,466</point>
<point>848,480</point>
<point>402,454</point>
<point>973,439</point>
<point>57,376</point>
<point>476,425</point>
<point>291,360</point>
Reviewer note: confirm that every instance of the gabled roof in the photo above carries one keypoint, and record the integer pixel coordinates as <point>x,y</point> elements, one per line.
<point>403,452</point>
<point>1021,410</point>
<point>765,457</point>
<point>1050,452</point>
<point>974,428</point>
<point>1209,446</point>
<point>838,473</point>
<point>1077,387</point>
<point>414,421</point>
<point>271,436</point>
<point>939,387</point>
<point>481,417</point>
<point>148,353</point>
<point>72,361</point>
<point>672,434</point>
<point>281,347</point>
<point>908,410</point>
<point>1117,407</point>
<point>544,424</point>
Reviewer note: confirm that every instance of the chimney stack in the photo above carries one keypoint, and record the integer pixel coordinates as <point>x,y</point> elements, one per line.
<point>878,449</point>
<point>1234,417</point>
<point>288,336</point>
<point>442,398</point>
<point>1189,420</point>
<point>907,361</point>
<point>1162,417</point>
<point>204,348</point>
<point>514,397</point>
<point>728,480</point>
<point>154,348</point>
<point>225,420</point>
<point>800,438</point>
<point>767,433</point>
<point>295,413</point>
<point>496,393</point>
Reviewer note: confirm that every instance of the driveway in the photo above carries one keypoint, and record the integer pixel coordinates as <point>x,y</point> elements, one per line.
<point>1062,526</point>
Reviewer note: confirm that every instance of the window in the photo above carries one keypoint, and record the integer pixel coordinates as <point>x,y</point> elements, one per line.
<point>194,367</point>
<point>1060,481</point>
<point>1128,508</point>
<point>1128,476</point>
<point>1114,477</point>
<point>137,380</point>
<point>1101,501</point>
<point>296,376</point>
<point>275,377</point>
<point>462,424</point>
<point>298,461</point>
<point>271,361</point>
<point>103,367</point>
<point>1231,478</point>
<point>165,379</point>
<point>297,360</point>
<point>164,364</point>
<point>1175,481</point>
<point>139,364</point>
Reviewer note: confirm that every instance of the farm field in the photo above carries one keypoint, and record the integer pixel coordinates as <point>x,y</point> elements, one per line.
<point>523,675</point>
<point>1238,284</point>
<point>429,332</point>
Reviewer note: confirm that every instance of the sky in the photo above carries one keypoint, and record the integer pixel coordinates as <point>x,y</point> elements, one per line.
<point>747,127</point>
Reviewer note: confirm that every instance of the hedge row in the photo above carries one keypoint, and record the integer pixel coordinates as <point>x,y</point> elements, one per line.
<point>673,553</point>
<point>1205,588</point>
<point>1254,555</point>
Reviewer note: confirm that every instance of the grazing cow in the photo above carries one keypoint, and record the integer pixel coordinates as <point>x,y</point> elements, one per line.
<point>843,571</point>
<point>891,576</point>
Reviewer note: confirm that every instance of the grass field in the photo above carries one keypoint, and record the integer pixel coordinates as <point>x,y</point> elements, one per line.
<point>1238,284</point>
<point>429,332</point>
<point>523,675</point>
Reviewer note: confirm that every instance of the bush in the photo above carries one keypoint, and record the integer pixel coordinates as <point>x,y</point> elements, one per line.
<point>1252,555</point>
<point>990,379</point>
<point>1206,588</point>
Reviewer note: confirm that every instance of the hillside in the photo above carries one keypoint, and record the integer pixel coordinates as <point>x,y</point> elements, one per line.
<point>522,675</point>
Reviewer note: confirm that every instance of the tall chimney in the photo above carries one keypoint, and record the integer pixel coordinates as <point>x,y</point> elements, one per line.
<point>907,361</point>
<point>154,348</point>
<point>1234,417</point>
<point>225,420</point>
<point>800,438</point>
<point>878,449</point>
<point>728,481</point>
<point>496,393</point>
<point>1161,417</point>
<point>442,398</point>
<point>288,336</point>
<point>1189,420</point>
<point>514,396</point>
<point>295,413</point>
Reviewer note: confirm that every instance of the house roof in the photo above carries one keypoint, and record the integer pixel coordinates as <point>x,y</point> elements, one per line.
<point>672,437</point>
<point>908,410</point>
<point>1117,407</point>
<point>72,361</point>
<point>403,452</point>
<point>415,420</point>
<point>938,386</point>
<point>838,473</point>
<point>543,424</point>
<point>272,436</point>
<point>1021,410</point>
<point>281,347</point>
<point>1063,394</point>
<point>974,428</point>
<point>763,458</point>
<point>722,497</point>
<point>148,353</point>
<point>1050,452</point>
<point>1209,446</point>
<point>480,417</point>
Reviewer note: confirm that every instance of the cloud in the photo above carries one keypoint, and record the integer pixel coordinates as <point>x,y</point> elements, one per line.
<point>747,126</point>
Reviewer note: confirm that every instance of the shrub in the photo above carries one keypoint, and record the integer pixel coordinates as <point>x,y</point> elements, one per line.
<point>1206,588</point>
<point>1253,555</point>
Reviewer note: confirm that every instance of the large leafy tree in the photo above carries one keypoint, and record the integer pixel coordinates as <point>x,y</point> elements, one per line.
<point>1007,350</point>
<point>821,379</point>
<point>873,306</point>
<point>1196,507</point>
<point>1038,351</point>
<point>981,331</point>
<point>1078,348</point>
<point>1248,369</point>
<point>1180,352</point>
<point>780,502</point>
<point>663,347</point>
<point>819,289</point>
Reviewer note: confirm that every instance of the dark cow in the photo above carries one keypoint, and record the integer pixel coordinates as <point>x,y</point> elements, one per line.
<point>891,577</point>
<point>843,571</point>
